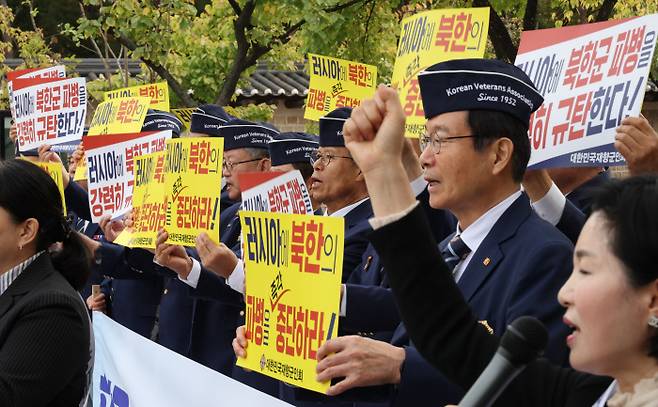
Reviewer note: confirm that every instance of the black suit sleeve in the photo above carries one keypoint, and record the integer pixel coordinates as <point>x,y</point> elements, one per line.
<point>447,334</point>
<point>571,222</point>
<point>44,351</point>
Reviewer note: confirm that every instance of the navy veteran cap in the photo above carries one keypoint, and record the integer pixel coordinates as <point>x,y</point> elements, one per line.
<point>478,84</point>
<point>157,120</point>
<point>240,133</point>
<point>331,127</point>
<point>291,148</point>
<point>207,119</point>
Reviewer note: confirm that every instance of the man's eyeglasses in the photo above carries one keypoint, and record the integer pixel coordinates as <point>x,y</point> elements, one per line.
<point>436,140</point>
<point>325,159</point>
<point>229,165</point>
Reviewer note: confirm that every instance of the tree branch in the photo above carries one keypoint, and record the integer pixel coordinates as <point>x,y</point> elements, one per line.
<point>248,54</point>
<point>500,37</point>
<point>162,71</point>
<point>240,27</point>
<point>236,7</point>
<point>530,16</point>
<point>605,12</point>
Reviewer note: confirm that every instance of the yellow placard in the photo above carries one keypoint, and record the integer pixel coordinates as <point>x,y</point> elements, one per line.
<point>428,38</point>
<point>158,94</point>
<point>193,180</point>
<point>117,116</point>
<point>337,83</point>
<point>149,202</point>
<point>293,267</point>
<point>81,170</point>
<point>184,115</point>
<point>55,172</point>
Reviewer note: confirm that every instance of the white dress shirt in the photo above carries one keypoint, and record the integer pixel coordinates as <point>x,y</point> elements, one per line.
<point>475,233</point>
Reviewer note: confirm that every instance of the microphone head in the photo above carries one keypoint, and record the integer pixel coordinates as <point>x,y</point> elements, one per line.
<point>524,340</point>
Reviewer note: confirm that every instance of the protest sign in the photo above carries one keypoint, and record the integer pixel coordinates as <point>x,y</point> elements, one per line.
<point>149,202</point>
<point>428,38</point>
<point>193,180</point>
<point>286,193</point>
<point>110,160</point>
<point>591,77</point>
<point>58,71</point>
<point>184,115</point>
<point>48,111</point>
<point>81,169</point>
<point>157,93</point>
<point>293,267</point>
<point>337,83</point>
<point>124,375</point>
<point>119,116</point>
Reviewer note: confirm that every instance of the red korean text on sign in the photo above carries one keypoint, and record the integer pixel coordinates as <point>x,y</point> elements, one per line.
<point>255,319</point>
<point>306,245</point>
<point>413,105</point>
<point>300,331</point>
<point>453,31</point>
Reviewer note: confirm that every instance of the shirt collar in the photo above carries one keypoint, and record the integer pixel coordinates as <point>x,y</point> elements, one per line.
<point>342,212</point>
<point>7,278</point>
<point>478,230</point>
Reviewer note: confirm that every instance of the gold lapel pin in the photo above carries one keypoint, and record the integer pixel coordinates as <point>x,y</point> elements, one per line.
<point>486,261</point>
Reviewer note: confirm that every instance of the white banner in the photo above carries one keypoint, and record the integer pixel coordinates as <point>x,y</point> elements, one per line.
<point>591,76</point>
<point>132,371</point>
<point>110,173</point>
<point>286,193</point>
<point>49,113</point>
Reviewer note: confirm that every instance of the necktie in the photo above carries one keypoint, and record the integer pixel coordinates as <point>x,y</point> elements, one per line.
<point>454,252</point>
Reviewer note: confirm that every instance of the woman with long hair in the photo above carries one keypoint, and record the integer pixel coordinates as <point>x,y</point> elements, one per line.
<point>45,337</point>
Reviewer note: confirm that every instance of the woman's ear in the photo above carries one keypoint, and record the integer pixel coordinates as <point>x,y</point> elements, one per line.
<point>28,232</point>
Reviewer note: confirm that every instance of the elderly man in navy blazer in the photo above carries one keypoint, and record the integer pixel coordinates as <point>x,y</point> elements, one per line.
<point>507,261</point>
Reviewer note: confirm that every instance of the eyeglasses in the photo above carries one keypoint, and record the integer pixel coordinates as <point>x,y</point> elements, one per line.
<point>325,159</point>
<point>436,140</point>
<point>229,165</point>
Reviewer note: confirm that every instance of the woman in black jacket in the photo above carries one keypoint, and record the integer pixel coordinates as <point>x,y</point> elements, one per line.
<point>46,355</point>
<point>611,298</point>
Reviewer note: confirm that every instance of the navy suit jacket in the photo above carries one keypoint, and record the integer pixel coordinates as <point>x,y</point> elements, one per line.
<point>368,290</point>
<point>517,270</point>
<point>357,229</point>
<point>215,320</point>
<point>134,292</point>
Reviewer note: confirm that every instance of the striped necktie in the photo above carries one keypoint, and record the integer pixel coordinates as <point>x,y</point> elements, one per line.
<point>454,252</point>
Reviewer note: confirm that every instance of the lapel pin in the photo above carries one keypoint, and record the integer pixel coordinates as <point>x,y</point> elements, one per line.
<point>367,265</point>
<point>486,261</point>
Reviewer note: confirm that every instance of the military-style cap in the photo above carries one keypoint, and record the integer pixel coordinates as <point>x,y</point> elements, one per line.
<point>478,84</point>
<point>207,119</point>
<point>331,127</point>
<point>157,120</point>
<point>292,147</point>
<point>240,133</point>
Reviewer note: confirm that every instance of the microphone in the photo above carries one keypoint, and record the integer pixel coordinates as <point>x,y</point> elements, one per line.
<point>524,340</point>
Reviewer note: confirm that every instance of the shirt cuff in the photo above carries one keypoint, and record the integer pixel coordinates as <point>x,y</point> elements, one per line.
<point>193,278</point>
<point>236,279</point>
<point>382,221</point>
<point>418,185</point>
<point>343,303</point>
<point>551,206</point>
